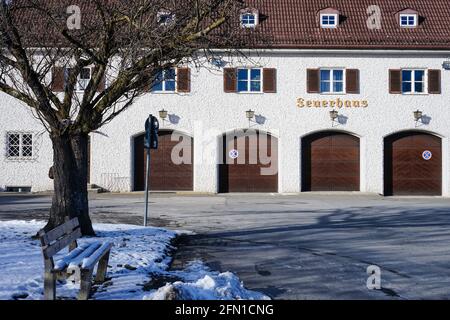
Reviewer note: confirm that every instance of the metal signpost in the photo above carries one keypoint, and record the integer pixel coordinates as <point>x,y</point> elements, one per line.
<point>150,142</point>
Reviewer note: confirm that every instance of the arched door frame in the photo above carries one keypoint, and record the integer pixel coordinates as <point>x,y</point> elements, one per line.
<point>219,151</point>
<point>444,155</point>
<point>362,160</point>
<point>133,153</point>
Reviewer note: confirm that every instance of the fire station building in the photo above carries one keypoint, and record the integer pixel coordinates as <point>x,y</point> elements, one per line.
<point>348,96</point>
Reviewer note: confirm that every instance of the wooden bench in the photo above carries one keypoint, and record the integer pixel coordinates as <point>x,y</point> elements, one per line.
<point>79,263</point>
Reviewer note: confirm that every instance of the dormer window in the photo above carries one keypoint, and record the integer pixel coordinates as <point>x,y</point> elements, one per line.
<point>165,17</point>
<point>249,18</point>
<point>408,20</point>
<point>329,20</point>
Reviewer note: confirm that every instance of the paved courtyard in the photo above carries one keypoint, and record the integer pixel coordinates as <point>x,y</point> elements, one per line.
<point>308,246</point>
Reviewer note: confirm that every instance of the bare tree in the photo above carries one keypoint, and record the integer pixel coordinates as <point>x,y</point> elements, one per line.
<point>48,45</point>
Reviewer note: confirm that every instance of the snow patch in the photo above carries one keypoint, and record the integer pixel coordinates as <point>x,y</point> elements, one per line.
<point>144,250</point>
<point>198,282</point>
<point>139,257</point>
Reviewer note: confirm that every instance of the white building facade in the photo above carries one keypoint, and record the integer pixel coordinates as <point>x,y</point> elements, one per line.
<point>376,140</point>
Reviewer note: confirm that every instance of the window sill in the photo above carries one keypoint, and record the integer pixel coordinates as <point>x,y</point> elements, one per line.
<point>81,91</point>
<point>164,92</point>
<point>250,92</point>
<point>333,93</point>
<point>414,94</point>
<point>20,159</point>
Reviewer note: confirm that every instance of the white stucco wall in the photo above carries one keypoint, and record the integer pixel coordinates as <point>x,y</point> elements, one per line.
<point>207,112</point>
<point>24,173</point>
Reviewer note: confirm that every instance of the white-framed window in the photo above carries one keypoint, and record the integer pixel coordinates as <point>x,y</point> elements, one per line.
<point>249,20</point>
<point>249,80</point>
<point>332,81</point>
<point>19,145</point>
<point>413,81</point>
<point>408,20</point>
<point>83,78</point>
<point>166,81</point>
<point>329,20</point>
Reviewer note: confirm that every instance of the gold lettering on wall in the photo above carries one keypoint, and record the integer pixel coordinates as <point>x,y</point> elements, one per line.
<point>332,103</point>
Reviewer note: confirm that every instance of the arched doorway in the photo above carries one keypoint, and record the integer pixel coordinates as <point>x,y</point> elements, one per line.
<point>330,162</point>
<point>249,162</point>
<point>165,174</point>
<point>412,164</point>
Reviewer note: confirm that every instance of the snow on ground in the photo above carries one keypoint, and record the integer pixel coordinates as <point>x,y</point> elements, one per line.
<point>198,282</point>
<point>139,264</point>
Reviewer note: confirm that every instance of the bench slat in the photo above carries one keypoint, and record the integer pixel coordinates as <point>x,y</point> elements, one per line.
<point>62,263</point>
<point>59,231</point>
<point>75,263</point>
<point>53,249</point>
<point>89,262</point>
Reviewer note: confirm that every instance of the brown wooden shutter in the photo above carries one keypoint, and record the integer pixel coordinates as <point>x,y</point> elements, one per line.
<point>395,81</point>
<point>102,85</point>
<point>434,81</point>
<point>352,81</point>
<point>270,80</point>
<point>58,79</point>
<point>184,80</point>
<point>148,87</point>
<point>230,80</point>
<point>313,80</point>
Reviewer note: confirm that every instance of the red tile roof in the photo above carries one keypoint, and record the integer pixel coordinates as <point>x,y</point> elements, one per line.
<point>295,24</point>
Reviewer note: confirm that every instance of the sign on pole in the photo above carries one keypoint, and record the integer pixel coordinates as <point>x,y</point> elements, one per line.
<point>150,142</point>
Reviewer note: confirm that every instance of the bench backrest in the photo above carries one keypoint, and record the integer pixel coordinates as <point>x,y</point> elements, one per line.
<point>57,239</point>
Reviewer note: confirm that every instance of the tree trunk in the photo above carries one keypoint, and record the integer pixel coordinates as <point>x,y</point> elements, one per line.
<point>70,165</point>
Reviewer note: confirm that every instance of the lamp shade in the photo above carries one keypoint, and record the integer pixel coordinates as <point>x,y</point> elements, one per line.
<point>334,115</point>
<point>418,115</point>
<point>163,114</point>
<point>250,114</point>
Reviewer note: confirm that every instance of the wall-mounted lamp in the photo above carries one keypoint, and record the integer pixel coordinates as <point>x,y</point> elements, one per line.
<point>418,115</point>
<point>334,115</point>
<point>163,114</point>
<point>250,114</point>
<point>446,65</point>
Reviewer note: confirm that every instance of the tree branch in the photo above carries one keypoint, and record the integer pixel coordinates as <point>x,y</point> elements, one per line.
<point>19,95</point>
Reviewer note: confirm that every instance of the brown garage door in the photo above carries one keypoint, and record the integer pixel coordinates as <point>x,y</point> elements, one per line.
<point>165,175</point>
<point>413,164</point>
<point>255,169</point>
<point>330,162</point>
